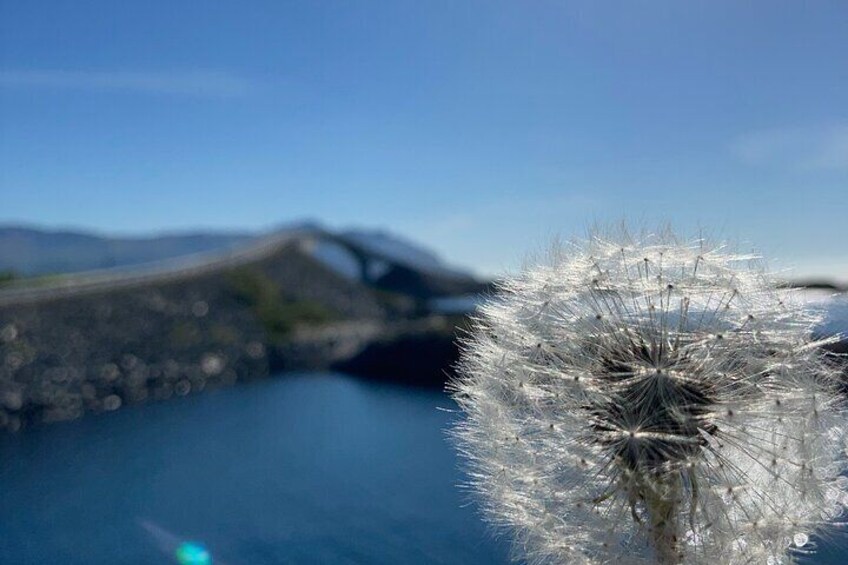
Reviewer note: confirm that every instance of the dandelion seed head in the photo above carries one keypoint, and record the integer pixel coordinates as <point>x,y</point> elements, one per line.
<point>642,399</point>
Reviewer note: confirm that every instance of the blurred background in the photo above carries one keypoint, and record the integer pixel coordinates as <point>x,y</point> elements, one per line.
<point>239,239</point>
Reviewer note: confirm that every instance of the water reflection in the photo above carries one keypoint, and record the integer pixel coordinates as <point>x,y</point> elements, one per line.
<point>313,468</point>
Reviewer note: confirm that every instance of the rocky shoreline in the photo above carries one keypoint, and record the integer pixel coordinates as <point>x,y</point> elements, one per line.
<point>53,387</point>
<point>69,355</point>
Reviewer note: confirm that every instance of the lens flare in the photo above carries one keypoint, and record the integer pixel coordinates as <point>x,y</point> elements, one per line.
<point>193,553</point>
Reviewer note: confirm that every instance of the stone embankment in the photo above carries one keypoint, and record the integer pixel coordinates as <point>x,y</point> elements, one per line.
<point>92,346</point>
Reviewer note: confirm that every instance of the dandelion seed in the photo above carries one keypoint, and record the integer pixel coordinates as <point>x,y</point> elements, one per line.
<point>669,405</point>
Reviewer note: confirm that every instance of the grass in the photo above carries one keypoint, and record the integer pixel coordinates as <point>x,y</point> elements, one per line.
<point>7,278</point>
<point>277,315</point>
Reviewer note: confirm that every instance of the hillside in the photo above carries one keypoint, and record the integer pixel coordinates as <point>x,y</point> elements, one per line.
<point>94,341</point>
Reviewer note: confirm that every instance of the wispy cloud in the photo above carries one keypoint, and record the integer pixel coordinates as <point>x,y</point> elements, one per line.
<point>802,148</point>
<point>187,83</point>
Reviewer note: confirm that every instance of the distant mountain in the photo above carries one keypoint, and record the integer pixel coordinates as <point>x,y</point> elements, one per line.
<point>31,251</point>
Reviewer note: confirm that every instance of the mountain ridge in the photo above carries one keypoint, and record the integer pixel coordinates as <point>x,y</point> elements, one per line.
<point>27,250</point>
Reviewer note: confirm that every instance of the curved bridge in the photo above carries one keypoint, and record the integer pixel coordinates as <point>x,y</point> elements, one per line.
<point>399,276</point>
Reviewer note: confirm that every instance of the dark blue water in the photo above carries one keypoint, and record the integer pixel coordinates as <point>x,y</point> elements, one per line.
<point>308,469</point>
<point>316,468</point>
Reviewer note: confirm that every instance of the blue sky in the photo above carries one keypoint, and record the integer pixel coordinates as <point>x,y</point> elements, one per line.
<point>480,129</point>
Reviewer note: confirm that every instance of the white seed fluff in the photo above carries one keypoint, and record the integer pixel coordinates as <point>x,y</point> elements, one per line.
<point>638,399</point>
